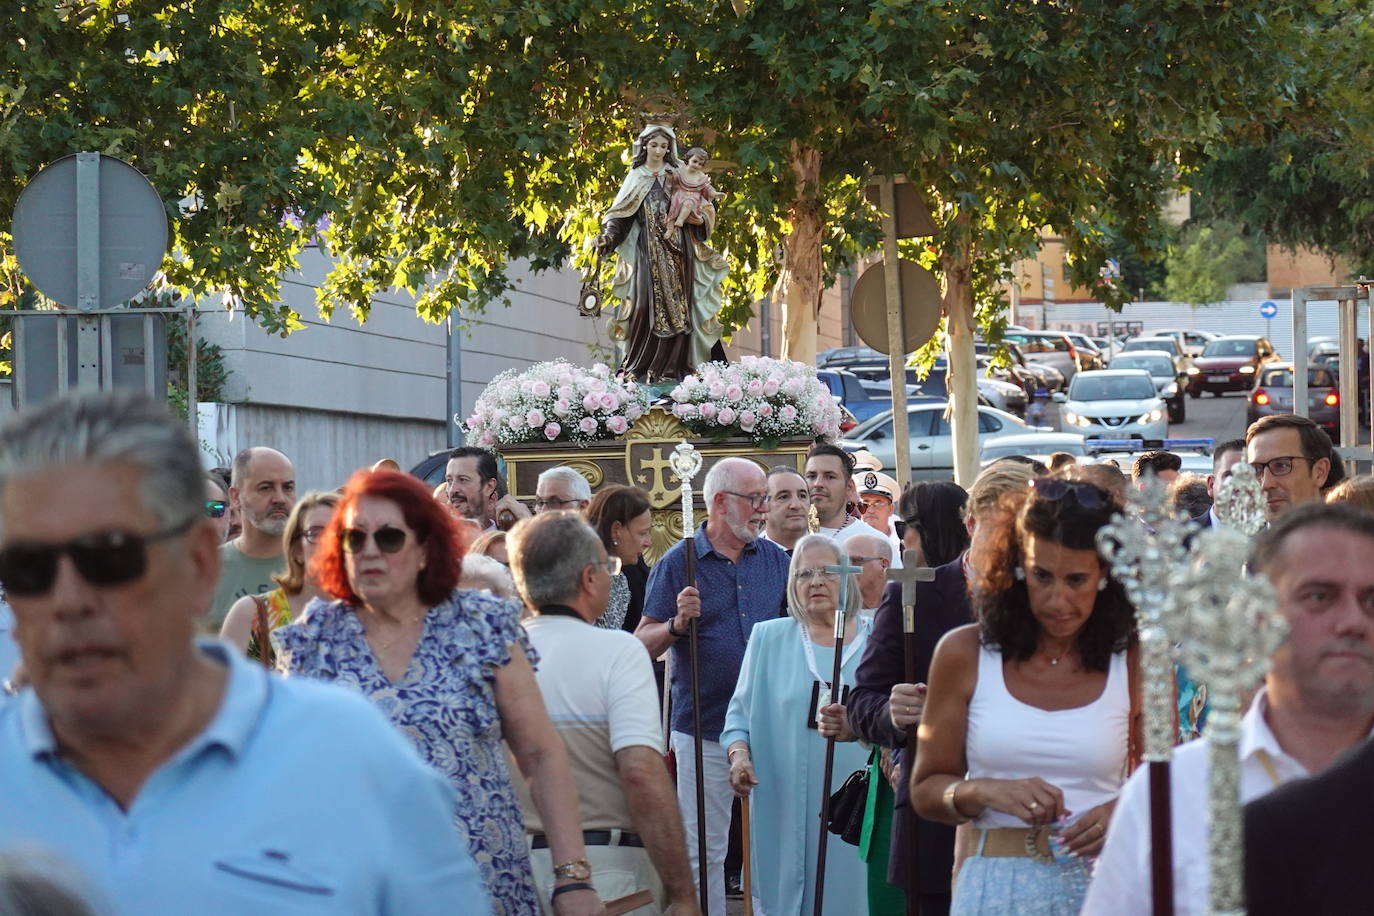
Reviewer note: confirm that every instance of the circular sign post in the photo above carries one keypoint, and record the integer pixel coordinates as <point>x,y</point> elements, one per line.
<point>1269,310</point>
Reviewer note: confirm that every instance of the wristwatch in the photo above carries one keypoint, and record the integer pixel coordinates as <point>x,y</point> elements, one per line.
<point>577,870</point>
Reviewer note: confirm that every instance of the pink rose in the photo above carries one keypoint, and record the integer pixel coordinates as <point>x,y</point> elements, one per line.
<point>788,413</point>
<point>770,388</point>
<point>488,440</point>
<point>680,394</point>
<point>566,393</point>
<point>527,386</point>
<point>588,425</point>
<point>540,389</point>
<point>734,392</point>
<point>707,410</point>
<point>633,412</point>
<point>715,389</point>
<point>755,387</point>
<point>596,385</point>
<point>748,420</point>
<point>561,407</point>
<point>551,431</point>
<point>535,418</point>
<point>516,423</point>
<point>792,386</point>
<point>725,417</point>
<point>766,410</point>
<point>617,425</point>
<point>590,402</point>
<point>609,401</point>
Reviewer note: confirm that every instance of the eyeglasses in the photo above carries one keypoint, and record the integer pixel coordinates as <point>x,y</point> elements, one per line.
<point>107,558</point>
<point>215,508</point>
<point>313,535</point>
<point>1279,467</point>
<point>757,502</point>
<point>1089,496</point>
<point>860,561</point>
<point>612,565</point>
<point>820,573</point>
<point>554,503</point>
<point>388,539</point>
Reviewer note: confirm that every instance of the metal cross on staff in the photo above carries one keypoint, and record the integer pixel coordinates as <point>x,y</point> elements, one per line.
<point>844,570</point>
<point>1145,545</point>
<point>909,574</point>
<point>1229,630</point>
<point>686,462</point>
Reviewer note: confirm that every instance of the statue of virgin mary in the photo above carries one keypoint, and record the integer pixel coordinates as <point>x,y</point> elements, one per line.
<point>667,281</point>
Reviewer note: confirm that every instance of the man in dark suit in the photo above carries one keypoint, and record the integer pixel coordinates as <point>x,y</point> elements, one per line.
<point>1309,845</point>
<point>921,858</point>
<point>1225,455</point>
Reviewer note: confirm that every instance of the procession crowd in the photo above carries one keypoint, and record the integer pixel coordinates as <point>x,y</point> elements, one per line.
<point>226,696</point>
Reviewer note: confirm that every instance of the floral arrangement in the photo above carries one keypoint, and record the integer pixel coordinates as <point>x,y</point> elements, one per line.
<point>551,402</point>
<point>767,399</point>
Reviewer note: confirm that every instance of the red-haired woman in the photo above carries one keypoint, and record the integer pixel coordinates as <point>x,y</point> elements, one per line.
<point>451,668</point>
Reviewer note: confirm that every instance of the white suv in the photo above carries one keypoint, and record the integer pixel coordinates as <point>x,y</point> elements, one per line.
<point>1114,404</point>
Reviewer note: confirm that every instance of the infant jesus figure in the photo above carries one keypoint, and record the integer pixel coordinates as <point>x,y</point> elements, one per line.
<point>692,192</point>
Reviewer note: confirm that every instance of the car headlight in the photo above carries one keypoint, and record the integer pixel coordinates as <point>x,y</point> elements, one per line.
<point>1153,416</point>
<point>1193,370</point>
<point>1074,419</point>
<point>1247,370</point>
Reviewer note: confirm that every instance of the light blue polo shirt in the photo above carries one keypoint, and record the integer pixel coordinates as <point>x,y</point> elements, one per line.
<point>9,649</point>
<point>298,798</point>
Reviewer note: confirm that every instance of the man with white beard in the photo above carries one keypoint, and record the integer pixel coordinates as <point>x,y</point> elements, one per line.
<point>263,486</point>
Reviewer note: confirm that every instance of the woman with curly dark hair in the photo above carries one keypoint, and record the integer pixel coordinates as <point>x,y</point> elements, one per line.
<point>1028,723</point>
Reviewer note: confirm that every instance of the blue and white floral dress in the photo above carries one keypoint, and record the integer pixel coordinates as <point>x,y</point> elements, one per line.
<point>446,704</point>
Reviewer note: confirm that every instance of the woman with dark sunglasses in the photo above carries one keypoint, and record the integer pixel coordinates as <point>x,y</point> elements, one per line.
<point>253,616</point>
<point>1028,723</point>
<point>451,668</point>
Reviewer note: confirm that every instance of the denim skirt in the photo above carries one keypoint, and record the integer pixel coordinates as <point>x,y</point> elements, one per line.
<point>1003,886</point>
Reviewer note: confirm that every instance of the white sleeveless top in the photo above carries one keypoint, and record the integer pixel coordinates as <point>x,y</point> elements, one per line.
<point>1082,751</point>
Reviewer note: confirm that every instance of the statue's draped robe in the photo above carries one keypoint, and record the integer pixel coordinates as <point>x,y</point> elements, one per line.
<point>668,282</point>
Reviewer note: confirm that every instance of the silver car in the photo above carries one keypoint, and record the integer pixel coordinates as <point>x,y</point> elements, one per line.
<point>1049,347</point>
<point>1114,404</point>
<point>932,449</point>
<point>1169,381</point>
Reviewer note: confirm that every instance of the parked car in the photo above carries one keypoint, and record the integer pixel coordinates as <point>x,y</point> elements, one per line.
<point>1231,363</point>
<point>1048,347</point>
<point>1032,445</point>
<point>1170,381</point>
<point>1273,394</point>
<point>1018,366</point>
<point>431,469</point>
<point>844,357</point>
<point>1196,454</point>
<point>1191,340</point>
<point>932,451</point>
<point>849,389</point>
<point>1114,404</point>
<point>1090,355</point>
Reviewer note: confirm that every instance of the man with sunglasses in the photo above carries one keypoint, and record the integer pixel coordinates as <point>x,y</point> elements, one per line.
<point>1293,460</point>
<point>608,717</point>
<point>263,486</point>
<point>152,764</point>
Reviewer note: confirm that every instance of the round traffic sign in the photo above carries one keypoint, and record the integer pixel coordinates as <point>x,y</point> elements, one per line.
<point>920,306</point>
<point>133,232</point>
<point>1269,310</point>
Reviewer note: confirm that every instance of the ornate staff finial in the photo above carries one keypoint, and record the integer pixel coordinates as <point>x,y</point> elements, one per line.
<point>1228,631</point>
<point>1240,500</point>
<point>686,462</point>
<point>813,519</point>
<point>1144,546</point>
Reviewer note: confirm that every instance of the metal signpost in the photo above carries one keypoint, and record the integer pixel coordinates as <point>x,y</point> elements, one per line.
<point>90,233</point>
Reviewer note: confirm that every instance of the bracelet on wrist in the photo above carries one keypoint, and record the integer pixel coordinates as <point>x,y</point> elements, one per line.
<point>567,888</point>
<point>951,803</point>
<point>671,632</point>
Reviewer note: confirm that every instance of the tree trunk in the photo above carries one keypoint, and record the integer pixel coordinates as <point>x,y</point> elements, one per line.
<point>799,283</point>
<point>963,366</point>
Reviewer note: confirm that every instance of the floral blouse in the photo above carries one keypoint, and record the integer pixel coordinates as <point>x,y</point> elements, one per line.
<point>446,704</point>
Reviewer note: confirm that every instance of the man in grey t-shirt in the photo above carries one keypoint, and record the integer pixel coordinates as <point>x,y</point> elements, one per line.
<point>263,486</point>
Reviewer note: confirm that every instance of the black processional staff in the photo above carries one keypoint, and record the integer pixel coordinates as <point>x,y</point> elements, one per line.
<point>909,574</point>
<point>844,571</point>
<point>686,462</point>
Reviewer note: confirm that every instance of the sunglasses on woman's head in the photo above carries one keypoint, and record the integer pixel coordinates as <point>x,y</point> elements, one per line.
<point>103,559</point>
<point>389,539</point>
<point>215,508</point>
<point>1089,496</point>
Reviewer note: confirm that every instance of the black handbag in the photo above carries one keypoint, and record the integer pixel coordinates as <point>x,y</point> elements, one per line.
<point>847,807</point>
